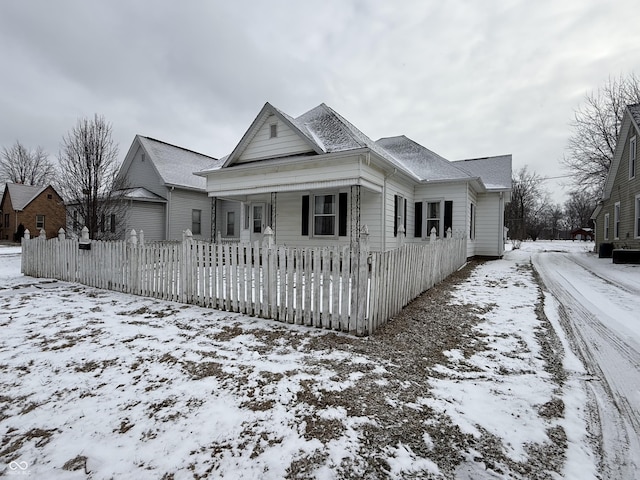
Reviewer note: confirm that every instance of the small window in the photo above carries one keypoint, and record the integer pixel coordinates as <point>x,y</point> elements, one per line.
<point>616,221</point>
<point>231,224</point>
<point>112,224</point>
<point>247,211</point>
<point>324,215</point>
<point>39,221</point>
<point>49,196</point>
<point>633,155</point>
<point>606,226</point>
<point>273,130</point>
<point>102,223</point>
<point>196,218</point>
<point>472,222</point>
<point>400,212</point>
<point>7,219</point>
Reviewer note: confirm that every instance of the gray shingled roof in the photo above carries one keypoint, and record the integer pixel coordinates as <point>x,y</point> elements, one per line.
<point>177,165</point>
<point>21,195</point>
<point>495,172</point>
<point>425,164</point>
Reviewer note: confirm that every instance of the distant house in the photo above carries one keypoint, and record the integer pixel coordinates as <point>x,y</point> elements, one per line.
<point>164,196</point>
<point>318,180</point>
<point>617,215</point>
<point>30,207</point>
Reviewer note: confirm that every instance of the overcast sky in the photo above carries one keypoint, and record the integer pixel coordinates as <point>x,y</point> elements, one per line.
<point>465,79</point>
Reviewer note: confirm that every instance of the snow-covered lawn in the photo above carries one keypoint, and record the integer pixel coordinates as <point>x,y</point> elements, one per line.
<point>470,381</point>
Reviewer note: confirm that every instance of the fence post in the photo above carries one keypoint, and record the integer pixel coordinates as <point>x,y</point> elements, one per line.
<point>400,235</point>
<point>27,234</point>
<point>185,267</point>
<point>43,234</point>
<point>141,237</point>
<point>27,253</point>
<point>433,235</point>
<point>84,234</point>
<point>271,274</point>
<point>360,281</point>
<point>61,234</point>
<point>449,233</point>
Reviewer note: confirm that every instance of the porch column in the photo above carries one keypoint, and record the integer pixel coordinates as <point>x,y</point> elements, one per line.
<point>214,233</point>
<point>355,213</point>
<point>273,216</point>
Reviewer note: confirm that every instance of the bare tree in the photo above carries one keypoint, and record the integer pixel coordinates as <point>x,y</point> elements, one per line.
<point>88,177</point>
<point>525,214</point>
<point>596,127</point>
<point>578,209</point>
<point>18,164</point>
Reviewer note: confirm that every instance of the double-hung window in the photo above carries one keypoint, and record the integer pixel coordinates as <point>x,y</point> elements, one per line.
<point>633,157</point>
<point>39,221</point>
<point>196,222</point>
<point>472,221</point>
<point>324,215</point>
<point>616,221</point>
<point>433,218</point>
<point>606,226</point>
<point>231,224</point>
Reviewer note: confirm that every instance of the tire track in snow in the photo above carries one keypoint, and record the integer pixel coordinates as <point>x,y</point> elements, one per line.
<point>586,309</point>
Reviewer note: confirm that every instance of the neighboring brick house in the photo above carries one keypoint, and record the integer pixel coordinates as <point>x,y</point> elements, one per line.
<point>33,207</point>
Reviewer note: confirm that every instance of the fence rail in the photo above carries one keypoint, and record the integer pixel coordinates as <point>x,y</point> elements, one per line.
<point>343,288</point>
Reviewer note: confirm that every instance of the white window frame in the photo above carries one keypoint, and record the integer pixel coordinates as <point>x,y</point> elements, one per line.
<point>616,221</point>
<point>636,227</point>
<point>40,221</point>
<point>473,212</point>
<point>273,130</point>
<point>440,218</point>
<point>194,222</point>
<point>231,222</point>
<point>606,226</point>
<point>633,157</point>
<point>402,206</point>
<point>313,214</point>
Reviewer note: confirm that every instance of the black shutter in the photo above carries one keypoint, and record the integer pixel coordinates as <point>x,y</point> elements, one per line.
<point>448,217</point>
<point>405,217</point>
<point>418,229</point>
<point>395,215</point>
<point>305,215</point>
<point>342,215</point>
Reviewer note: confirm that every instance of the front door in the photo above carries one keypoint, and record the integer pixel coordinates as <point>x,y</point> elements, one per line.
<point>257,221</point>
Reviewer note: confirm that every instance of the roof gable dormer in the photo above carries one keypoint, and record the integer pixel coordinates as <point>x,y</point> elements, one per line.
<point>272,135</point>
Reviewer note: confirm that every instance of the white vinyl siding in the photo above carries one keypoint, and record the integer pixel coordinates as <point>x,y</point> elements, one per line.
<point>489,233</point>
<point>263,145</point>
<point>148,217</point>
<point>143,174</point>
<point>181,204</point>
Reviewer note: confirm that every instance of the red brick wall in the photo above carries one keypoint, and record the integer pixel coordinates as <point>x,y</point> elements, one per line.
<point>52,208</point>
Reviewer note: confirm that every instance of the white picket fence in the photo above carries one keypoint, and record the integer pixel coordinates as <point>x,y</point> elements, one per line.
<point>344,288</point>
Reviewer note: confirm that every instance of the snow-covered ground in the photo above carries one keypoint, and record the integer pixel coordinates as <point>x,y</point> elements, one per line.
<point>105,385</point>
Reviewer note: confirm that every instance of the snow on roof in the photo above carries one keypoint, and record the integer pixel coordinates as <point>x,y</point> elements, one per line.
<point>425,164</point>
<point>21,195</point>
<point>495,172</point>
<point>176,165</point>
<point>140,193</point>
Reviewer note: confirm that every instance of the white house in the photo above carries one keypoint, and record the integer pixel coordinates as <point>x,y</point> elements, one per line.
<point>165,197</point>
<point>316,179</point>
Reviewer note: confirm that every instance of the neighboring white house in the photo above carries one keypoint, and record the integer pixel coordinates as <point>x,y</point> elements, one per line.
<point>316,179</point>
<point>165,197</point>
